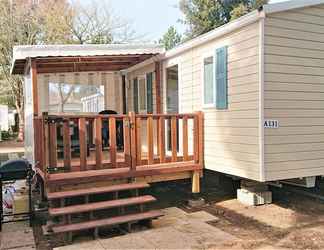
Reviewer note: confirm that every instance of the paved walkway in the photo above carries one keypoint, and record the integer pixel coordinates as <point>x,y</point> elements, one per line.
<point>176,230</point>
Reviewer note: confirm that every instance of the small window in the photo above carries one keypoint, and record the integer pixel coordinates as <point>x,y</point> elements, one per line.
<point>142,94</point>
<point>209,88</point>
<point>221,78</point>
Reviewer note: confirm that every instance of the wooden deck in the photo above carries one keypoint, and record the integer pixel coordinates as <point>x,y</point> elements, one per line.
<point>151,145</point>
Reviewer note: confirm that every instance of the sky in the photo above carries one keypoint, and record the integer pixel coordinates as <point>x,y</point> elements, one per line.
<point>150,18</point>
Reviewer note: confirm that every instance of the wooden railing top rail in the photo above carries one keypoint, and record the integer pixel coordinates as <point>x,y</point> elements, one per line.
<point>118,116</point>
<point>87,116</point>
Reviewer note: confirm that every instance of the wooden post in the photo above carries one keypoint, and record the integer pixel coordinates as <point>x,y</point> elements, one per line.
<point>150,140</point>
<point>127,142</point>
<point>138,141</point>
<point>132,124</point>
<point>162,139</point>
<point>34,87</point>
<point>158,87</point>
<point>52,145</point>
<point>67,144</point>
<point>83,144</point>
<point>196,138</point>
<point>185,138</point>
<point>201,137</point>
<point>112,141</point>
<point>174,141</point>
<point>98,142</point>
<point>46,144</point>
<point>196,182</point>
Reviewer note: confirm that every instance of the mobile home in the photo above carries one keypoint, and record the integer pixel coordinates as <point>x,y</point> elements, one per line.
<point>245,99</point>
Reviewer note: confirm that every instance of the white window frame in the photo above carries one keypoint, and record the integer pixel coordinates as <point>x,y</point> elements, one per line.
<point>213,104</point>
<point>141,77</point>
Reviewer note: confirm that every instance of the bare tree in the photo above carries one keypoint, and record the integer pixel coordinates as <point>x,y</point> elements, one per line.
<point>52,22</point>
<point>97,23</point>
<point>18,26</point>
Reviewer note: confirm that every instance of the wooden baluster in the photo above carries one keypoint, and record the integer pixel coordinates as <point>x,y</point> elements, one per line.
<point>174,138</point>
<point>162,139</point>
<point>138,142</point>
<point>41,144</point>
<point>112,141</point>
<point>150,141</point>
<point>52,145</point>
<point>46,146</point>
<point>196,138</point>
<point>37,140</point>
<point>127,143</point>
<point>67,144</point>
<point>98,141</point>
<point>83,144</point>
<point>185,138</point>
<point>132,124</point>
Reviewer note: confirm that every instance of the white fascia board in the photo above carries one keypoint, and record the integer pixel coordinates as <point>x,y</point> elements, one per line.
<point>218,32</point>
<point>289,5</point>
<point>24,51</point>
<point>143,64</point>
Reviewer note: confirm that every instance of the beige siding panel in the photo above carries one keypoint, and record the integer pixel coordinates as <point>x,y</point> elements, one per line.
<point>238,168</point>
<point>282,113</point>
<point>213,131</point>
<point>299,17</point>
<point>312,52</point>
<point>294,25</point>
<point>247,114</point>
<point>294,93</point>
<point>293,173</point>
<point>292,104</point>
<point>295,34</point>
<point>293,139</point>
<point>295,43</point>
<point>312,11</point>
<point>289,148</point>
<point>231,136</point>
<point>280,95</point>
<point>294,156</point>
<point>301,130</point>
<point>297,87</point>
<point>294,69</point>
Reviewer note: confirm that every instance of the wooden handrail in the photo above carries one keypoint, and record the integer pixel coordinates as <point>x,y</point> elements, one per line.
<point>147,139</point>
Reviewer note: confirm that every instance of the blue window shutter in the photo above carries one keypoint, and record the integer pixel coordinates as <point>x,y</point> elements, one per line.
<point>221,78</point>
<point>149,87</point>
<point>135,94</point>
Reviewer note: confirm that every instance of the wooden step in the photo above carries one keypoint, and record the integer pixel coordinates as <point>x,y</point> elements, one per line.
<point>101,205</point>
<point>96,190</point>
<point>107,222</point>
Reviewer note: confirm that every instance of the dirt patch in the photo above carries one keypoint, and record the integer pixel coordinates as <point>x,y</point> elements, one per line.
<point>292,221</point>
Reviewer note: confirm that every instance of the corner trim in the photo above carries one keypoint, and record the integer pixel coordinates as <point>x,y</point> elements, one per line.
<point>261,99</point>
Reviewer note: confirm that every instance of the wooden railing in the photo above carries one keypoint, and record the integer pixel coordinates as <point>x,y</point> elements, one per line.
<point>65,143</point>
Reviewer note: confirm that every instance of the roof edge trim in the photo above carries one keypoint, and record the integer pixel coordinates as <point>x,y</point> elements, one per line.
<point>289,5</point>
<point>218,32</point>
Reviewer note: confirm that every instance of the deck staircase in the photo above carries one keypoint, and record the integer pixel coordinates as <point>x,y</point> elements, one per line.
<point>119,205</point>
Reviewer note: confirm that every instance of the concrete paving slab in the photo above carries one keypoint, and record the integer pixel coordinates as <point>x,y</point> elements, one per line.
<point>17,235</point>
<point>93,245</point>
<point>134,241</point>
<point>169,238</point>
<point>176,230</point>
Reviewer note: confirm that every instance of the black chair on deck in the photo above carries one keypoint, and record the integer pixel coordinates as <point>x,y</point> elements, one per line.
<point>119,130</point>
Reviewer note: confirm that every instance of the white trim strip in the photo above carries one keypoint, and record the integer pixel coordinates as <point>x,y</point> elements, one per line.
<point>261,99</point>
<point>225,29</point>
<point>288,5</point>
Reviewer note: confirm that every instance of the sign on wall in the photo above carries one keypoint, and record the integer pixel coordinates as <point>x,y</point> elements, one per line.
<point>271,124</point>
